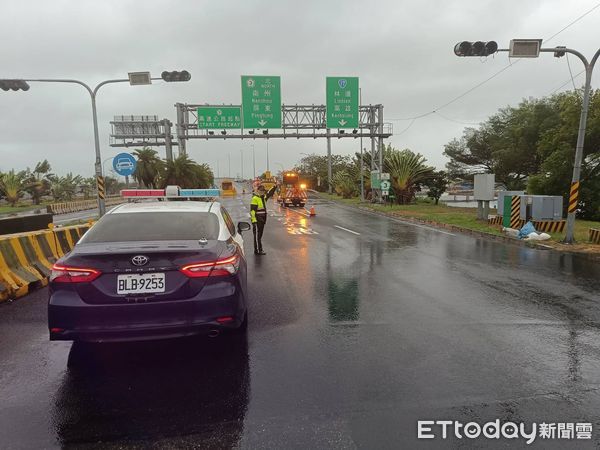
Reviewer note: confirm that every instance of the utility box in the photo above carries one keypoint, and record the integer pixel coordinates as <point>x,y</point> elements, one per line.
<point>484,186</point>
<point>501,196</point>
<point>541,207</point>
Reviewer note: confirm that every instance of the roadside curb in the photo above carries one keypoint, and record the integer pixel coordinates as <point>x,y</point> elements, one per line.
<point>467,231</point>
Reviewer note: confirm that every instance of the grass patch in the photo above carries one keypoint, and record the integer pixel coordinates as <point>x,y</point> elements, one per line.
<point>20,208</point>
<point>425,209</point>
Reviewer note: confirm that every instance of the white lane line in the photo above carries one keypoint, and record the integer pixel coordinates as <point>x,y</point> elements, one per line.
<point>425,227</point>
<point>346,229</point>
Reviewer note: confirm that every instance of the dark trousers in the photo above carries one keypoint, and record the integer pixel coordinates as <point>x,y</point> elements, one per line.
<point>257,230</point>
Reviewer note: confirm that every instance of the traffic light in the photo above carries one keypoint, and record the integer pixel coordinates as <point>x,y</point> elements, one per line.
<point>15,85</point>
<point>176,76</point>
<point>477,48</point>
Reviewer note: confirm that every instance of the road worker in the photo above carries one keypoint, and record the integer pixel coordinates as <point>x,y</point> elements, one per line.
<point>258,215</point>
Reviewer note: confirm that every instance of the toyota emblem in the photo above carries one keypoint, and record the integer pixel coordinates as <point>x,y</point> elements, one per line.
<point>140,260</point>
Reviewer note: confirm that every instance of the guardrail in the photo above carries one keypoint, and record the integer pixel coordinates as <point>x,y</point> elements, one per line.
<point>80,205</point>
<point>26,258</point>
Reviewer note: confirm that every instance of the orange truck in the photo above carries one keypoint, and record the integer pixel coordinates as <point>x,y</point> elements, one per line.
<point>291,191</point>
<point>227,188</point>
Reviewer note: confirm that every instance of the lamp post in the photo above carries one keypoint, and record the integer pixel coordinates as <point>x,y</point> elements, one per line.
<point>253,162</point>
<point>531,48</point>
<point>104,164</point>
<point>135,78</point>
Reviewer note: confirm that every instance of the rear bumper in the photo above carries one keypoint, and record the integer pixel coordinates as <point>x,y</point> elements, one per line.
<point>70,319</point>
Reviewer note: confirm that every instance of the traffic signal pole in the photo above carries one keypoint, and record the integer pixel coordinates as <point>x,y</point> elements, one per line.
<point>575,179</point>
<point>531,50</point>
<point>100,192</point>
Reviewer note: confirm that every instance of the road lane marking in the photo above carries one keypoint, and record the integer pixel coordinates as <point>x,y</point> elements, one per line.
<point>299,212</point>
<point>424,226</point>
<point>346,229</point>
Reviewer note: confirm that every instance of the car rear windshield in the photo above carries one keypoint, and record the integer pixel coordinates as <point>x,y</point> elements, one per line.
<point>154,226</point>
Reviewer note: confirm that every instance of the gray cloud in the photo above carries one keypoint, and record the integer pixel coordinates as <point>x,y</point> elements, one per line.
<point>402,52</point>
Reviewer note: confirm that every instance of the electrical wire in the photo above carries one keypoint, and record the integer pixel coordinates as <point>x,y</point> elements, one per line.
<point>455,99</point>
<point>570,72</point>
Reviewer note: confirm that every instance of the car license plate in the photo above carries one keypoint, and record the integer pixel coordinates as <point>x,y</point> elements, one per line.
<point>142,283</point>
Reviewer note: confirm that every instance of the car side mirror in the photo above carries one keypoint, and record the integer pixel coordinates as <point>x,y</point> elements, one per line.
<point>243,226</point>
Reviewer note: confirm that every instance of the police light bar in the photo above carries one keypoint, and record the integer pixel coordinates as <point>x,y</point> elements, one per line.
<point>199,192</point>
<point>142,193</point>
<point>170,192</point>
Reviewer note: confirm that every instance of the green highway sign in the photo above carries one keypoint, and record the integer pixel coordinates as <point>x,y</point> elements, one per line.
<point>210,117</point>
<point>261,101</point>
<point>342,102</point>
<point>375,180</point>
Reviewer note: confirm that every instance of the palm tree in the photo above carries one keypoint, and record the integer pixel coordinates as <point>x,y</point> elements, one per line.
<point>344,183</point>
<point>407,170</point>
<point>37,182</point>
<point>185,173</point>
<point>148,167</point>
<point>11,186</point>
<point>65,188</point>
<point>88,186</point>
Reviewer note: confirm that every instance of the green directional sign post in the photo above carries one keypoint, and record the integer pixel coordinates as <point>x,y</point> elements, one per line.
<point>261,101</point>
<point>342,102</point>
<point>221,117</point>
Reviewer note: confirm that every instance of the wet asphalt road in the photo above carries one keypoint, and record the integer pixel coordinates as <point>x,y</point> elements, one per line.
<point>359,326</point>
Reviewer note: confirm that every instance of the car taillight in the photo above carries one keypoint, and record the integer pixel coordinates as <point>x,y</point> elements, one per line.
<point>221,267</point>
<point>64,274</point>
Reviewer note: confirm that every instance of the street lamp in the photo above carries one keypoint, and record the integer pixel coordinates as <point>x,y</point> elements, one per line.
<point>104,164</point>
<point>531,48</point>
<point>134,79</point>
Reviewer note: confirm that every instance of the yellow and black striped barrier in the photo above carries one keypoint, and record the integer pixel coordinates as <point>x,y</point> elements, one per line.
<point>548,226</point>
<point>515,211</point>
<point>100,186</point>
<point>573,197</point>
<point>496,220</point>
<point>26,258</point>
<point>595,235</point>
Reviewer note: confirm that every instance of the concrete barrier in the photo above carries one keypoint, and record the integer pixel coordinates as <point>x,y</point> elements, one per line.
<point>81,205</point>
<point>26,258</point>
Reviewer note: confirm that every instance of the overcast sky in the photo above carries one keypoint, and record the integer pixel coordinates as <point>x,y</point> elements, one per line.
<point>402,51</point>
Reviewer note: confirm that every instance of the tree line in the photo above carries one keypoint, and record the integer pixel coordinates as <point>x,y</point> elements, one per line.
<point>151,172</point>
<point>40,182</point>
<point>532,147</point>
<point>409,173</point>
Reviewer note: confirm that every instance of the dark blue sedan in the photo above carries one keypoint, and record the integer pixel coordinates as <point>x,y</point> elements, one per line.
<point>152,270</point>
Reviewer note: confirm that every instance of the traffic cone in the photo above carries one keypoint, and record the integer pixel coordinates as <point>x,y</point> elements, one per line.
<point>312,211</point>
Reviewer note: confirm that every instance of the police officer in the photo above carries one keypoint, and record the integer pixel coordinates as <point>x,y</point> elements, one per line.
<point>258,214</point>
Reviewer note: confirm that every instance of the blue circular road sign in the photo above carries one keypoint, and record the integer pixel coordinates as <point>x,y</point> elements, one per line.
<point>124,164</point>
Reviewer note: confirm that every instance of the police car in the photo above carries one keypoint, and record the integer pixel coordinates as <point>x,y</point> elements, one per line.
<point>152,269</point>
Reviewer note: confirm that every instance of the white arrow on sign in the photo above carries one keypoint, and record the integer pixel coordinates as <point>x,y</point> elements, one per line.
<point>342,122</point>
<point>262,122</point>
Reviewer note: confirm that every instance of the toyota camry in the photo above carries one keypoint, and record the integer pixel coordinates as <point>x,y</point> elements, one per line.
<point>152,270</point>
